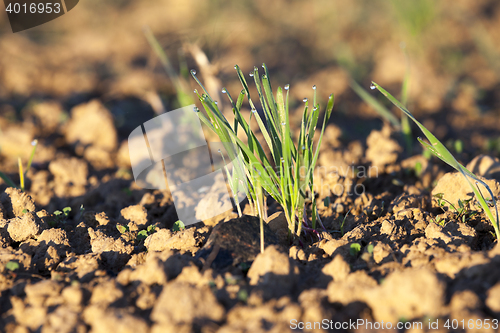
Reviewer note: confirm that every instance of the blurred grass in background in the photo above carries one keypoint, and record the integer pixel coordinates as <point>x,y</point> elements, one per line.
<point>99,50</point>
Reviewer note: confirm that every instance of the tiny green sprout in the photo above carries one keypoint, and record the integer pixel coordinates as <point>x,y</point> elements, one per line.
<point>12,265</point>
<point>369,248</point>
<point>441,202</point>
<point>418,169</point>
<point>381,209</point>
<point>439,221</point>
<point>459,146</point>
<point>343,222</point>
<point>82,210</point>
<point>7,180</point>
<point>354,249</point>
<point>326,202</point>
<point>143,234</point>
<point>122,228</point>
<point>60,216</point>
<point>463,212</point>
<point>178,226</point>
<point>212,285</point>
<point>25,211</point>
<point>243,295</point>
<point>22,172</point>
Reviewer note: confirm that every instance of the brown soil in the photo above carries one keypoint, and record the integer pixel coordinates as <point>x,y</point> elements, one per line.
<point>79,273</point>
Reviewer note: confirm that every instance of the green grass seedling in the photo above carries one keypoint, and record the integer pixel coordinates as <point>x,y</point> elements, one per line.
<point>354,249</point>
<point>180,83</point>
<point>464,212</point>
<point>22,173</point>
<point>286,175</point>
<point>143,234</point>
<point>178,226</point>
<point>12,265</point>
<point>439,150</point>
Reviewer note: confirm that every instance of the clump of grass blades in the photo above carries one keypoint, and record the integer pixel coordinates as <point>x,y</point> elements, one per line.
<point>287,175</point>
<point>439,150</point>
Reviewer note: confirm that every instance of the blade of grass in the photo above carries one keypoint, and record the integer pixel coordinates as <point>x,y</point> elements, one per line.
<point>182,96</point>
<point>405,90</point>
<point>7,180</point>
<point>35,144</point>
<point>21,174</point>
<point>439,150</point>
<point>376,105</point>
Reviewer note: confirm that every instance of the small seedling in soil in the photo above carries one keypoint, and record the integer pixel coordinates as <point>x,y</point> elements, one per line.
<point>143,234</point>
<point>126,233</point>
<point>122,228</point>
<point>60,216</point>
<point>439,150</point>
<point>343,222</point>
<point>287,175</point>
<point>439,220</point>
<point>463,212</point>
<point>12,266</point>
<point>178,226</point>
<point>22,173</point>
<point>327,202</point>
<point>243,295</point>
<point>418,169</point>
<point>65,212</point>
<point>82,210</point>
<point>354,249</point>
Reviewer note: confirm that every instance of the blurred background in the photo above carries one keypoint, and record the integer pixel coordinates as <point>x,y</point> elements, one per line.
<point>99,50</point>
